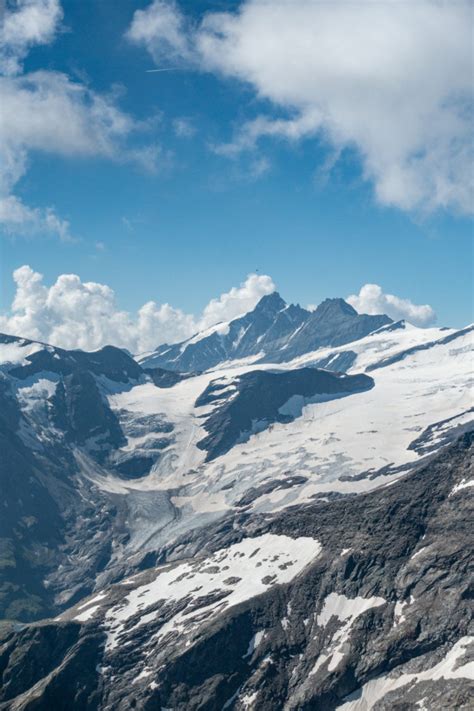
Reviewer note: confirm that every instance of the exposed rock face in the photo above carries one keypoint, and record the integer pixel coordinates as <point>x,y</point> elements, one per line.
<point>30,521</point>
<point>253,401</point>
<point>79,410</point>
<point>333,323</point>
<point>110,362</point>
<point>272,332</point>
<point>164,378</point>
<point>361,603</point>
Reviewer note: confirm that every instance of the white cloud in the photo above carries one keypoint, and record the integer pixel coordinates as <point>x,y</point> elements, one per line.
<point>163,30</point>
<point>391,79</point>
<point>47,112</point>
<point>184,127</point>
<point>237,301</point>
<point>30,22</point>
<point>75,314</point>
<point>17,218</point>
<point>372,300</point>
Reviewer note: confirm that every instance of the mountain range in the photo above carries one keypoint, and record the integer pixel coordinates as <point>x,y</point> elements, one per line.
<point>273,514</point>
<point>273,332</point>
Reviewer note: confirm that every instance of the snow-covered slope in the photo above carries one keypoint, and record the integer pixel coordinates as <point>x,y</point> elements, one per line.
<point>177,454</point>
<point>190,595</point>
<point>282,514</point>
<point>330,446</point>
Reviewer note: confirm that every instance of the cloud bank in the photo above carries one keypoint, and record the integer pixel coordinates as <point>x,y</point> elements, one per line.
<point>75,314</point>
<point>372,300</point>
<point>391,80</point>
<point>71,313</point>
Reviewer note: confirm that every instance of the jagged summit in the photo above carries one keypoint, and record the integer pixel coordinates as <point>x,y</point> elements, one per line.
<point>335,308</point>
<point>270,303</point>
<point>273,332</point>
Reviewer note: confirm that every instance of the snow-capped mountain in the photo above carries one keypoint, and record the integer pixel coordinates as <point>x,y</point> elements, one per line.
<point>273,332</point>
<point>265,530</point>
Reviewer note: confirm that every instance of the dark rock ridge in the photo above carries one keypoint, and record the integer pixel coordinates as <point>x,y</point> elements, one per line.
<point>165,378</point>
<point>111,362</point>
<point>386,602</point>
<point>79,410</point>
<point>56,529</point>
<point>253,401</point>
<point>273,332</point>
<point>30,523</point>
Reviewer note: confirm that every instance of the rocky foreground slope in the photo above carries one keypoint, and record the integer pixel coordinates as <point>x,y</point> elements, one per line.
<point>360,603</point>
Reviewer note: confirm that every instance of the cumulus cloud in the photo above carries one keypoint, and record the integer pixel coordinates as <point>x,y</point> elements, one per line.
<point>75,314</point>
<point>30,22</point>
<point>45,111</point>
<point>391,79</point>
<point>372,300</point>
<point>163,30</point>
<point>237,301</point>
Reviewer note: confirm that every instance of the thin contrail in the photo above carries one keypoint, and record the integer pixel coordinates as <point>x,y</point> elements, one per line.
<point>166,69</point>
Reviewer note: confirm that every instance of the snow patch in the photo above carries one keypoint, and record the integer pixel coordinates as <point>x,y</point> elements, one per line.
<point>448,668</point>
<point>221,328</point>
<point>346,610</point>
<point>207,586</point>
<point>87,614</point>
<point>463,484</point>
<point>254,642</point>
<point>248,700</point>
<point>398,616</point>
<point>295,405</point>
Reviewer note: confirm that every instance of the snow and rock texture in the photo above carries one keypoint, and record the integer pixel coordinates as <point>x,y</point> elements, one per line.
<point>274,331</point>
<point>57,532</point>
<point>263,534</point>
<point>355,604</point>
<point>103,466</point>
<point>329,447</point>
<point>255,400</point>
<point>184,599</point>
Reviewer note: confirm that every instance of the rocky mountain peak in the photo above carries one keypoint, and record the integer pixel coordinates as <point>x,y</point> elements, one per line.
<point>274,330</point>
<point>270,303</point>
<point>335,308</point>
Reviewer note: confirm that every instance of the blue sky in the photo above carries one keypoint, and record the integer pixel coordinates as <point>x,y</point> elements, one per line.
<point>307,211</point>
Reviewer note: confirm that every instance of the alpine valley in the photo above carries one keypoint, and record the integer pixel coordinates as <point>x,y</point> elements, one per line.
<point>275,514</point>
